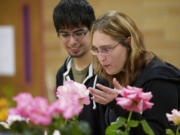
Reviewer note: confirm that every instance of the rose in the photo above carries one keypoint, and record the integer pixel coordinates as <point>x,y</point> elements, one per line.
<point>35,115</point>
<point>25,105</point>
<point>35,109</point>
<point>175,118</point>
<point>80,89</point>
<point>72,96</point>
<point>132,99</point>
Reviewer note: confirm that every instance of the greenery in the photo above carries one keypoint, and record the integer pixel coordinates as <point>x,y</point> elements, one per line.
<point>122,126</point>
<point>70,127</point>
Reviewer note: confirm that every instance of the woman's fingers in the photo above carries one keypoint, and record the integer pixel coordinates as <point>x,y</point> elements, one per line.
<point>98,96</point>
<point>99,99</point>
<point>116,84</point>
<point>106,89</point>
<point>103,96</point>
<point>98,93</point>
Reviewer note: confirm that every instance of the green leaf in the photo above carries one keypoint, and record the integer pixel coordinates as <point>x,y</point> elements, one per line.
<point>133,123</point>
<point>116,132</point>
<point>169,132</point>
<point>113,129</point>
<point>124,133</point>
<point>119,122</point>
<point>76,128</point>
<point>112,132</point>
<point>2,129</point>
<point>18,126</point>
<point>84,127</point>
<point>147,129</point>
<point>114,126</point>
<point>27,132</point>
<point>37,131</point>
<point>120,132</point>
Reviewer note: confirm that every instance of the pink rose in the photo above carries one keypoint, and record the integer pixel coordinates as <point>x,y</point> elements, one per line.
<point>72,96</point>
<point>174,117</point>
<point>25,105</point>
<point>70,86</point>
<point>34,109</point>
<point>68,105</point>
<point>40,113</point>
<point>134,99</point>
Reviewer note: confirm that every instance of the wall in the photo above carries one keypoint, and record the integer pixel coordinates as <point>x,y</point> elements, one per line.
<point>25,16</point>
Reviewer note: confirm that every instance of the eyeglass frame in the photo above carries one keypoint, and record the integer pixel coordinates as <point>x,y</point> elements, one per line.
<point>104,52</point>
<point>75,34</point>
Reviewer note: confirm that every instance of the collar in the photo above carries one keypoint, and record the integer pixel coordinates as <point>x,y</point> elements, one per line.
<point>66,76</point>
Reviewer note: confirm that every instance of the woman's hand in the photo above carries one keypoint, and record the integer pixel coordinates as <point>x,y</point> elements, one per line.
<point>105,95</point>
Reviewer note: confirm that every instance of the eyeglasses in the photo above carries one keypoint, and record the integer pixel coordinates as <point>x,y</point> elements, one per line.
<point>105,50</point>
<point>78,35</point>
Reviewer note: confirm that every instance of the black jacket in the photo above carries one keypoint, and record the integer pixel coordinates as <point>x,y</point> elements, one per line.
<point>95,117</point>
<point>163,80</point>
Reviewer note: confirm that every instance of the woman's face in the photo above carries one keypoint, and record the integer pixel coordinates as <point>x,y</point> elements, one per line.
<point>111,54</point>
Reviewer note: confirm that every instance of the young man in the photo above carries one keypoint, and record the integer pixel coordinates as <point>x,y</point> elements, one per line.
<point>73,20</point>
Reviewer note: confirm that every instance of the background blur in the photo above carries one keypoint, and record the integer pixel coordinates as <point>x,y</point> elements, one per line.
<point>38,53</point>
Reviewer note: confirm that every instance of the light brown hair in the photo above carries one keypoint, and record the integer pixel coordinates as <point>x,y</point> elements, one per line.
<point>120,27</point>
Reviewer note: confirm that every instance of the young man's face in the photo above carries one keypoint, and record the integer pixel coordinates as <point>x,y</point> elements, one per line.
<point>76,41</point>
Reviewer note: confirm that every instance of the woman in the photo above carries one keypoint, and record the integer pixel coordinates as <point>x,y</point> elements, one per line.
<point>123,60</point>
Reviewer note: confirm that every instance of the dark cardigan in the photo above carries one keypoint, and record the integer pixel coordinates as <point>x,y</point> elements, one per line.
<point>163,80</point>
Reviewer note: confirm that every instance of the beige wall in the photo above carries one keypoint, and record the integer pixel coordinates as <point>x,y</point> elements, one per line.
<point>11,13</point>
<point>159,21</point>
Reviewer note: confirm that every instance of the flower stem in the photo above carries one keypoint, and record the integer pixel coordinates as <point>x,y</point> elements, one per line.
<point>129,118</point>
<point>177,131</point>
<point>65,122</point>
